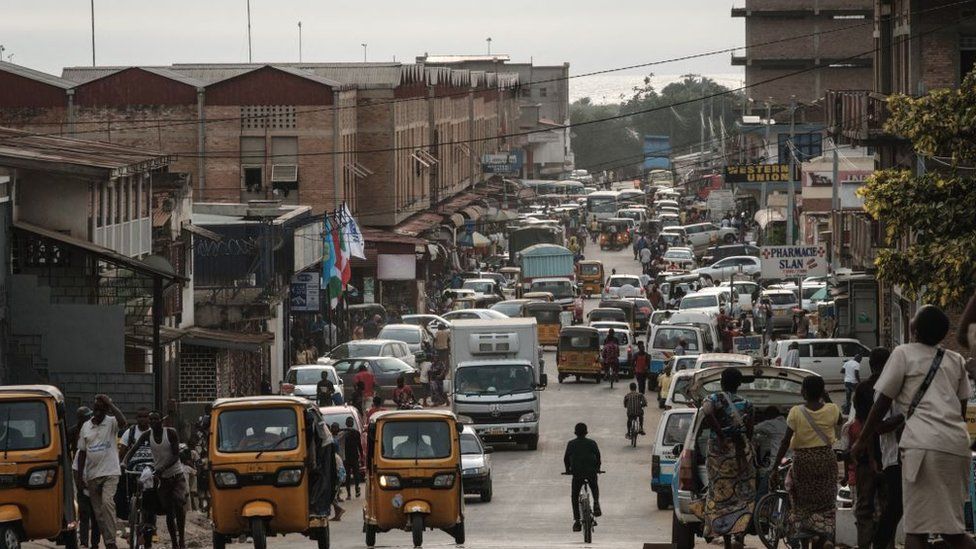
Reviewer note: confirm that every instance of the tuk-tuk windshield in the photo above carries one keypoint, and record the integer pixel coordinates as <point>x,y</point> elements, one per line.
<point>420,439</point>
<point>24,425</point>
<point>494,380</point>
<point>558,288</point>
<point>546,316</point>
<point>257,430</point>
<point>590,269</point>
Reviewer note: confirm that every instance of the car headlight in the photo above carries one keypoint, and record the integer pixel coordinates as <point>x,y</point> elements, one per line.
<point>289,477</point>
<point>225,479</point>
<point>476,471</point>
<point>444,480</point>
<point>42,478</point>
<point>525,418</point>
<point>389,481</point>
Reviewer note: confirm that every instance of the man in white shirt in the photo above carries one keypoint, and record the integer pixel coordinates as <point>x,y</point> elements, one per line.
<point>852,376</point>
<point>98,460</point>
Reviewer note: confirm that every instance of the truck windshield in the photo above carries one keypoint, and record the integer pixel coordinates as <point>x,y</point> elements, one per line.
<point>494,380</point>
<point>558,288</point>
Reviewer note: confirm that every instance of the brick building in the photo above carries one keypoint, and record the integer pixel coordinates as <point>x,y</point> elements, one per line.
<point>842,51</point>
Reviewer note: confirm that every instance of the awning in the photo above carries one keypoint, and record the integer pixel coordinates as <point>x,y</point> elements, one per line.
<point>473,240</point>
<point>473,213</point>
<point>417,224</point>
<point>767,216</point>
<point>108,255</point>
<point>221,339</point>
<point>201,232</point>
<point>457,220</point>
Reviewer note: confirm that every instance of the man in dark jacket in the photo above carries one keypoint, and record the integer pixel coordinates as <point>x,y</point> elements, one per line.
<point>582,460</point>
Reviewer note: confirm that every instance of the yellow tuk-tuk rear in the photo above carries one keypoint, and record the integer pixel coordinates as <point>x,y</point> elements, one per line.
<point>414,470</point>
<point>578,353</point>
<point>548,316</point>
<point>271,471</point>
<point>590,274</point>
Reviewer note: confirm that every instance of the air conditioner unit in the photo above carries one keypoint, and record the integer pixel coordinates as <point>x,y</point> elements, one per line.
<point>284,173</point>
<point>494,344</point>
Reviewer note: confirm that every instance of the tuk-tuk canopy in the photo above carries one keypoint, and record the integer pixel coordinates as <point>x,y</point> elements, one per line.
<point>579,337</point>
<point>544,313</point>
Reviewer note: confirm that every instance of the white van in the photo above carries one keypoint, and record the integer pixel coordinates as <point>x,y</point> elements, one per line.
<point>671,431</point>
<point>826,357</point>
<point>676,393</point>
<point>707,321</point>
<point>664,338</point>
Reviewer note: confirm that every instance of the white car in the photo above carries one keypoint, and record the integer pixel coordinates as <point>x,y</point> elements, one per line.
<point>475,465</point>
<point>370,347</point>
<point>607,324</point>
<point>473,314</point>
<point>721,360</point>
<point>680,259</point>
<point>303,380</point>
<point>825,357</point>
<point>615,287</point>
<point>431,322</point>
<point>703,235</point>
<point>723,269</point>
<point>625,342</point>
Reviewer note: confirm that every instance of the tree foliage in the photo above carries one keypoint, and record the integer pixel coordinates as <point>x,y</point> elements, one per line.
<point>929,220</point>
<point>617,143</point>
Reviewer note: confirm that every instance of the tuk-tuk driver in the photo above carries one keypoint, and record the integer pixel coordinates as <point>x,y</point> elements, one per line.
<point>413,447</point>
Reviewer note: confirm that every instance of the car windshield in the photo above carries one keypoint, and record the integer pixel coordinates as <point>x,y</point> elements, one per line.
<point>684,363</point>
<point>416,440</point>
<point>407,335</point>
<point>589,269</point>
<point>309,376</point>
<point>781,299</point>
<point>809,292</point>
<point>470,445</point>
<point>698,301</point>
<point>24,425</point>
<point>676,429</point>
<point>508,308</point>
<point>678,254</point>
<point>558,288</point>
<point>355,349</point>
<point>494,380</point>
<point>622,338</point>
<point>619,281</point>
<point>338,419</point>
<point>390,364</point>
<point>482,287</point>
<point>667,338</point>
<point>614,314</point>
<point>257,430</point>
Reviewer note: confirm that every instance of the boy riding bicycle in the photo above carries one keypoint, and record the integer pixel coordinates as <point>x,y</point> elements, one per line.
<point>610,355</point>
<point>635,403</point>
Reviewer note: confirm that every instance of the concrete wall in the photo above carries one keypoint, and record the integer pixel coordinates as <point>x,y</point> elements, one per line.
<point>53,202</point>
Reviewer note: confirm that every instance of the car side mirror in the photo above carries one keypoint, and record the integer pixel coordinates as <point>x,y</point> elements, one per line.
<point>543,380</point>
<point>489,450</point>
<point>678,448</point>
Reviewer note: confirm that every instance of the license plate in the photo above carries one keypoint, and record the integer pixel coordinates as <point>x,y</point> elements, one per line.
<point>495,431</point>
<point>781,312</point>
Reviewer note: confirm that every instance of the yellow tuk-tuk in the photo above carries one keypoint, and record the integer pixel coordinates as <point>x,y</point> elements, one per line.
<point>413,463</point>
<point>513,275</point>
<point>270,472</point>
<point>614,234</point>
<point>578,353</point>
<point>628,307</point>
<point>590,274</point>
<point>36,488</point>
<point>546,297</point>
<point>548,317</point>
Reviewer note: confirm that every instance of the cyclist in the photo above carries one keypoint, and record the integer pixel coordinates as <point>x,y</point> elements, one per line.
<point>582,460</point>
<point>610,355</point>
<point>635,403</point>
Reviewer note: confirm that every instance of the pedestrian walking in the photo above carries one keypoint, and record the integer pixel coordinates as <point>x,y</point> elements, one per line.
<point>88,533</point>
<point>655,296</point>
<point>810,434</point>
<point>802,325</point>
<point>745,325</point>
<point>852,376</point>
<point>792,356</point>
<point>731,495</point>
<point>352,456</point>
<point>642,365</point>
<point>930,383</point>
<point>98,462</point>
<point>358,397</point>
<point>366,377</point>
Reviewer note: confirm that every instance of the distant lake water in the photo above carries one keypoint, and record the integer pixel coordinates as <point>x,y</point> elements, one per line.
<point>607,88</point>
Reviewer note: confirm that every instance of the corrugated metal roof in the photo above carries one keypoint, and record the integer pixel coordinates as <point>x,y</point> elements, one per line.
<point>81,75</point>
<point>166,72</point>
<point>18,147</point>
<point>443,59</point>
<point>39,76</point>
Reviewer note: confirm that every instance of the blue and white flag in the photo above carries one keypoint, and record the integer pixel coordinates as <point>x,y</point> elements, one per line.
<point>354,237</point>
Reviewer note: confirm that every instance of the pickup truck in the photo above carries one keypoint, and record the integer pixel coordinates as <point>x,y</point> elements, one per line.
<point>702,235</point>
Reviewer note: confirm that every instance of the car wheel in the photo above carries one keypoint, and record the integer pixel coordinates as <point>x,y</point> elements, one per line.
<point>663,500</point>
<point>486,493</point>
<point>682,537</point>
<point>729,238</point>
<point>532,442</point>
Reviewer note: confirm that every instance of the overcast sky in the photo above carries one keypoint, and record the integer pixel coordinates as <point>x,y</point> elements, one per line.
<point>591,35</point>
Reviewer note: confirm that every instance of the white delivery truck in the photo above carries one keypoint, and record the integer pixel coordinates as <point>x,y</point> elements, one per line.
<point>497,372</point>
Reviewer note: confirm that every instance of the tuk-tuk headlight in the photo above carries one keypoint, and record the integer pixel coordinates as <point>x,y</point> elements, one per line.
<point>289,477</point>
<point>42,478</point>
<point>444,480</point>
<point>225,479</point>
<point>525,418</point>
<point>389,481</point>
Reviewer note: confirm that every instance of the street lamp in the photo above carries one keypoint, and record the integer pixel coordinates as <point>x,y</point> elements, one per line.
<point>489,45</point>
<point>364,51</point>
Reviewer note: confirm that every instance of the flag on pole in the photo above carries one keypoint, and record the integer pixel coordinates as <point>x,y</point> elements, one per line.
<point>356,244</point>
<point>328,253</point>
<point>334,282</point>
<point>342,265</point>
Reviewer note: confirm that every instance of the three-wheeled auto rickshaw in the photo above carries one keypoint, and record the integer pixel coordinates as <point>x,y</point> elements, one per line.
<point>628,307</point>
<point>272,470</point>
<point>37,498</point>
<point>513,276</point>
<point>413,463</point>
<point>548,315</point>
<point>614,234</point>
<point>590,274</point>
<point>578,353</point>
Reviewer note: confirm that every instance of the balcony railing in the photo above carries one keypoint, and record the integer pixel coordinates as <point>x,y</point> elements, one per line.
<point>857,115</point>
<point>130,238</point>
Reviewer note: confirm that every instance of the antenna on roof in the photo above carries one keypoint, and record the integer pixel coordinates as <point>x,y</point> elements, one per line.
<point>248,31</point>
<point>93,30</point>
<point>299,41</point>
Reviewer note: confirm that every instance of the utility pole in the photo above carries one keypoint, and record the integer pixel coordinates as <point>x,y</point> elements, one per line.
<point>299,41</point>
<point>764,194</point>
<point>489,45</point>
<point>790,195</point>
<point>701,115</point>
<point>248,31</point>
<point>93,30</point>
<point>364,51</point>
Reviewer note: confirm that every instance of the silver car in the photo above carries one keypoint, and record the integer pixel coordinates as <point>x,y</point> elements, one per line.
<point>475,465</point>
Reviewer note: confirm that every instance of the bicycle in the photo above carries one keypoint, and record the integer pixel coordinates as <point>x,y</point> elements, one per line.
<point>611,374</point>
<point>633,430</point>
<point>586,510</point>
<point>141,530</point>
<point>772,511</point>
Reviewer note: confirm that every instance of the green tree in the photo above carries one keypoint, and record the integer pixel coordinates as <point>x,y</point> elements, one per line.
<point>928,220</point>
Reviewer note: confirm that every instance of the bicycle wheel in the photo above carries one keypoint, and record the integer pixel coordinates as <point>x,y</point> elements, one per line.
<point>633,433</point>
<point>587,515</point>
<point>133,522</point>
<point>770,517</point>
